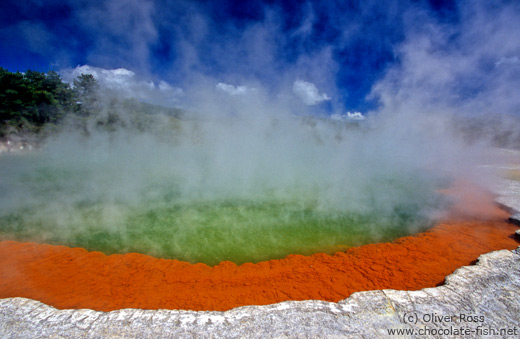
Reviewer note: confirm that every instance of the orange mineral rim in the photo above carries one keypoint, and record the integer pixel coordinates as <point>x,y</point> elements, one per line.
<point>75,278</point>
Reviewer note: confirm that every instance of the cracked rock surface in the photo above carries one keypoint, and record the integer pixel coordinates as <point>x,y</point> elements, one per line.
<point>509,194</point>
<point>475,298</point>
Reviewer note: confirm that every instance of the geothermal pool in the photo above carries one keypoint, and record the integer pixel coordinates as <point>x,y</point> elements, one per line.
<point>236,198</point>
<point>222,217</point>
<point>209,231</point>
<point>67,277</point>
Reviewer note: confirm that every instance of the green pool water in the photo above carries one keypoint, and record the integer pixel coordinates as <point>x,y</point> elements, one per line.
<point>108,210</point>
<point>211,232</point>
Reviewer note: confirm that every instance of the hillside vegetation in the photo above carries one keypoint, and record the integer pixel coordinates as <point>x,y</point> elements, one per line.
<point>34,104</point>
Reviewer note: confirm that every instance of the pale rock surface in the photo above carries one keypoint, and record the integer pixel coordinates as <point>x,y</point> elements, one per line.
<point>508,192</point>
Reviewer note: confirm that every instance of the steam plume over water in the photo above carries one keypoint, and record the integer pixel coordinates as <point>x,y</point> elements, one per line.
<point>301,131</point>
<point>241,187</point>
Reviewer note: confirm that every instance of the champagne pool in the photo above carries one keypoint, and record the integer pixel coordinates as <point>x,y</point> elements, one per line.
<point>208,231</point>
<point>197,204</point>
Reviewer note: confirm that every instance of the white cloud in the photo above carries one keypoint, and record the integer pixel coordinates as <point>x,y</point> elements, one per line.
<point>233,90</point>
<point>117,79</point>
<point>308,92</point>
<point>125,83</point>
<point>349,116</point>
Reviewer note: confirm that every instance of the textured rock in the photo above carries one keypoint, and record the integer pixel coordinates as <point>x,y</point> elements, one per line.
<point>475,298</point>
<point>508,192</point>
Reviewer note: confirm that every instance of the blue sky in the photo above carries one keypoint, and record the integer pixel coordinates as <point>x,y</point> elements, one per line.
<point>347,55</point>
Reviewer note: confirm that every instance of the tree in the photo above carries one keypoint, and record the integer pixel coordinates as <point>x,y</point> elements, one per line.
<point>31,99</point>
<point>11,95</point>
<point>61,100</point>
<point>86,86</point>
<point>86,90</point>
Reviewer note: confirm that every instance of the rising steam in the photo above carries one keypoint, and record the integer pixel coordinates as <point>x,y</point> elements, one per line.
<point>255,150</point>
<point>242,179</point>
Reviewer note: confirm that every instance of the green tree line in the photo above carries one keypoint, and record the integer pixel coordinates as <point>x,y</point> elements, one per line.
<point>33,99</point>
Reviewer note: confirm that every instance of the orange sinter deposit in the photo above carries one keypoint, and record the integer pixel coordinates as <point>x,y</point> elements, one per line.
<point>75,278</point>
